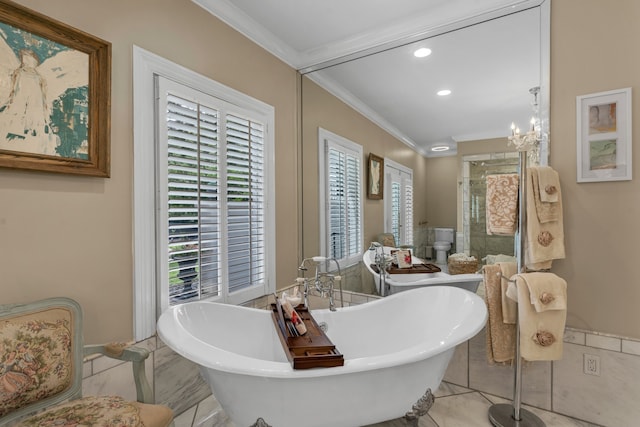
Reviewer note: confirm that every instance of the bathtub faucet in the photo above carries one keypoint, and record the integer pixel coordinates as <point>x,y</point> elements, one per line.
<point>323,282</point>
<point>382,263</point>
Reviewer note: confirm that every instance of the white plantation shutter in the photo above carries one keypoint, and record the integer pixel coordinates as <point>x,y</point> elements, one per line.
<point>399,202</point>
<point>353,202</point>
<point>192,198</point>
<point>341,198</point>
<point>213,197</point>
<point>338,232</point>
<point>408,211</point>
<point>245,202</point>
<point>197,236</point>
<point>396,201</point>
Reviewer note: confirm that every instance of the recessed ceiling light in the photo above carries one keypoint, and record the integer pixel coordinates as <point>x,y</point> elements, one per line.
<point>422,52</point>
<point>440,148</point>
<point>444,92</point>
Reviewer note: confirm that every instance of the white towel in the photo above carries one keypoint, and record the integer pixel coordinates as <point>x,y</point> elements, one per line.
<point>546,211</point>
<point>549,188</point>
<point>547,291</point>
<point>541,333</point>
<point>544,241</point>
<point>509,306</point>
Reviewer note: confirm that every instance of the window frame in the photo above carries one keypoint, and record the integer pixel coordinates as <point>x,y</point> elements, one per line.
<point>395,172</point>
<point>326,139</point>
<point>148,299</point>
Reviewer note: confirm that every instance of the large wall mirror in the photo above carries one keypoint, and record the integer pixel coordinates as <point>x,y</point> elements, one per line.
<point>490,64</point>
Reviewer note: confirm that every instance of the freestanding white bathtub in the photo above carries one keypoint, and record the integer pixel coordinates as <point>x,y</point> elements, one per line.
<point>394,348</point>
<point>402,282</point>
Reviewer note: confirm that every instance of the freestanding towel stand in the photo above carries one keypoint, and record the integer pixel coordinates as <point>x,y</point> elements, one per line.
<point>504,414</point>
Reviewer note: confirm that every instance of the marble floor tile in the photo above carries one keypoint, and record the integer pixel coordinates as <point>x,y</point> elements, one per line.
<point>551,419</point>
<point>447,389</point>
<point>454,406</point>
<point>461,410</point>
<point>424,421</point>
<point>211,414</point>
<point>178,383</point>
<point>185,419</point>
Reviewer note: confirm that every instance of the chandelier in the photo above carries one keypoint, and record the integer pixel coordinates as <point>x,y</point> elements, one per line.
<point>529,140</point>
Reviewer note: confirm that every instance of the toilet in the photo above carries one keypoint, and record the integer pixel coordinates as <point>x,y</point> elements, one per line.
<point>442,244</point>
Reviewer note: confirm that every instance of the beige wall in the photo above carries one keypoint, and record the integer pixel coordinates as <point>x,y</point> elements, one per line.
<point>321,109</point>
<point>71,235</point>
<point>594,48</point>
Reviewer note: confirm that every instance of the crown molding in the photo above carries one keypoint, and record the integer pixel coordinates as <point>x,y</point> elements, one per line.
<point>250,28</point>
<point>354,102</point>
<point>359,45</point>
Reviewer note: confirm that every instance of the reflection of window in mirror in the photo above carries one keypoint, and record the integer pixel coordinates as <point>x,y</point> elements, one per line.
<point>340,166</point>
<point>398,202</point>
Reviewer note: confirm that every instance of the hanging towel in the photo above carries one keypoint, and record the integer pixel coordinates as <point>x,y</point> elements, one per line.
<point>541,333</point>
<point>502,204</point>
<point>547,291</point>
<point>546,211</point>
<point>500,336</point>
<point>544,242</point>
<point>509,306</point>
<point>549,187</point>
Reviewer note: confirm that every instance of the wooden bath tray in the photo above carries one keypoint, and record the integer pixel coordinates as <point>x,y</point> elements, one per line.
<point>414,269</point>
<point>311,350</point>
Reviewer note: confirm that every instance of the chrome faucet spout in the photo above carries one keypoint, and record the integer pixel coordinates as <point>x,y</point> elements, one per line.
<point>381,264</point>
<point>323,282</point>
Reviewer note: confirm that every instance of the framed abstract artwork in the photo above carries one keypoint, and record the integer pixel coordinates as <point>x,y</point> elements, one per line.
<point>55,95</point>
<point>375,184</point>
<point>604,136</point>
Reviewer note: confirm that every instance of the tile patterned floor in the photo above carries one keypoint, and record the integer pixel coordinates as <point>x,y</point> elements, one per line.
<point>455,406</point>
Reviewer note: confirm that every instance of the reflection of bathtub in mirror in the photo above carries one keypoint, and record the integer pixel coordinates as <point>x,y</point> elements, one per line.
<point>395,283</point>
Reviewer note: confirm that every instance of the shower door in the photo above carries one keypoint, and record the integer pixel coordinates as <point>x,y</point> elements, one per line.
<point>475,170</point>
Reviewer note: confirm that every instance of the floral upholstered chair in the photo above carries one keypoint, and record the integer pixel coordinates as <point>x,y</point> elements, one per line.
<point>388,239</point>
<point>41,357</point>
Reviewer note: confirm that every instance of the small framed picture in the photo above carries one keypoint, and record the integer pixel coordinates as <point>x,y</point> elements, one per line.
<point>604,136</point>
<point>375,185</point>
<point>403,258</point>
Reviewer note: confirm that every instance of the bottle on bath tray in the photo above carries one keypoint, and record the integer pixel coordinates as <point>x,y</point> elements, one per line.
<point>290,313</point>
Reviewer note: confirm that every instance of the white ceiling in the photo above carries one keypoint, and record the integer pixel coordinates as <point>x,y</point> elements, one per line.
<point>485,51</point>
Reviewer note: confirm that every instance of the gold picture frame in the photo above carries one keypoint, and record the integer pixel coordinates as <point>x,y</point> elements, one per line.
<point>55,95</point>
<point>375,182</point>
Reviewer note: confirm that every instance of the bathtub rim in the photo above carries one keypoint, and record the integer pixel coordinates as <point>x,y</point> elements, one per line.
<point>421,279</point>
<point>201,352</point>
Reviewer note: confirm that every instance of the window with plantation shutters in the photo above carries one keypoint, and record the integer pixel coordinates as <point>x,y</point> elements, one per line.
<point>204,224</point>
<point>212,197</point>
<point>399,202</point>
<point>340,198</point>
